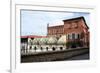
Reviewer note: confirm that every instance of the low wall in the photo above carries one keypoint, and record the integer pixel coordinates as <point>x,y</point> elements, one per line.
<point>53,56</point>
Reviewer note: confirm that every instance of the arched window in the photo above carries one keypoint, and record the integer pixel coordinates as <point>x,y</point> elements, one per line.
<point>41,48</point>
<point>61,48</point>
<point>35,48</point>
<point>47,48</point>
<point>53,48</point>
<point>30,47</point>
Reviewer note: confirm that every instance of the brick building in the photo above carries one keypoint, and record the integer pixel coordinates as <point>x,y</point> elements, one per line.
<point>75,29</point>
<point>73,33</point>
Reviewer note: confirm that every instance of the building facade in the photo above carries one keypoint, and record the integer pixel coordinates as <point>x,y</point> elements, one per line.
<point>73,34</point>
<point>75,29</point>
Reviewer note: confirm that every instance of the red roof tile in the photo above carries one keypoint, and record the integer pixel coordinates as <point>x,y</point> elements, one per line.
<point>33,36</point>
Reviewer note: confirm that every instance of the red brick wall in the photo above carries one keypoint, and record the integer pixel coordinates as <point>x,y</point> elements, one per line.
<point>55,30</point>
<point>77,26</point>
<point>72,27</point>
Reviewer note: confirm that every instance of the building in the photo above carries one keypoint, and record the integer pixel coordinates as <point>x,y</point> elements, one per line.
<point>75,29</point>
<point>74,33</point>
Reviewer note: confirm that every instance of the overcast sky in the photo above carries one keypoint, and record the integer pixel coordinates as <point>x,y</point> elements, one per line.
<point>35,22</point>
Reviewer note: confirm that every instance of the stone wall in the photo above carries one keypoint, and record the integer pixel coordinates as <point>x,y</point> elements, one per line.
<point>53,56</point>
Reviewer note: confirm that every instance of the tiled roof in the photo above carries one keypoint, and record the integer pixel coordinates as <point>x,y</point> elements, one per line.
<point>33,36</point>
<point>62,39</point>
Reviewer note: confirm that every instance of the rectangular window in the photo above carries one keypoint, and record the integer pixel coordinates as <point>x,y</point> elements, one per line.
<point>78,36</point>
<point>73,36</point>
<point>68,36</point>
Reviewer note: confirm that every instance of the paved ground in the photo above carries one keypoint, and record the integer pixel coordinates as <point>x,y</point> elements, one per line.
<point>80,57</point>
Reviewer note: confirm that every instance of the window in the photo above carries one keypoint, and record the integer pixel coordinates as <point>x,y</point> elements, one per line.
<point>73,36</point>
<point>30,47</point>
<point>41,48</point>
<point>68,36</point>
<point>53,48</point>
<point>35,48</point>
<point>61,48</point>
<point>78,36</point>
<point>47,48</point>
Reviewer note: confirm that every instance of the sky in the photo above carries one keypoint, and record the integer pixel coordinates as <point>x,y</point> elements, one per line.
<point>35,22</point>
